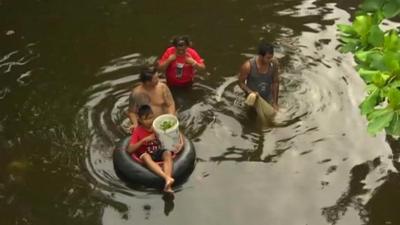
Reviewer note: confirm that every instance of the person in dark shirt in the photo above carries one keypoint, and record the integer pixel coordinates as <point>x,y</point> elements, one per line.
<point>260,75</point>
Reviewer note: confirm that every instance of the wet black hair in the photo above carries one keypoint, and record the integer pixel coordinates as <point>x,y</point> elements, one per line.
<point>144,111</point>
<point>146,74</point>
<point>176,40</point>
<point>265,48</point>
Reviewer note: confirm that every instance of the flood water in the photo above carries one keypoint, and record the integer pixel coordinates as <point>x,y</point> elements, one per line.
<point>67,68</point>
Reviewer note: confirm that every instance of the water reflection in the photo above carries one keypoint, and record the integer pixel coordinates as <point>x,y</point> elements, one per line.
<point>168,203</point>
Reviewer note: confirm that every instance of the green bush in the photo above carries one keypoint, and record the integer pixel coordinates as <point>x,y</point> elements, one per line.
<point>377,54</point>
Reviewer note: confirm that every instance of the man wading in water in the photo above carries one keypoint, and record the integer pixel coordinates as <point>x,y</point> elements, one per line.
<point>259,77</point>
<point>151,92</point>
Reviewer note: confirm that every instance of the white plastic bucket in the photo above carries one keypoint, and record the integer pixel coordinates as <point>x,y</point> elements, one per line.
<point>169,137</point>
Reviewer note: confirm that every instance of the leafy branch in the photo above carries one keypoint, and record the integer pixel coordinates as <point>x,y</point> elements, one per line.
<point>377,54</point>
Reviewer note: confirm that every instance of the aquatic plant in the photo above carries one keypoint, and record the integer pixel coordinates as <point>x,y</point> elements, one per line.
<point>376,52</point>
<point>167,124</point>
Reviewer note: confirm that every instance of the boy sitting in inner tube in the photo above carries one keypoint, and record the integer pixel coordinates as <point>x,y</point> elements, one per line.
<point>146,146</point>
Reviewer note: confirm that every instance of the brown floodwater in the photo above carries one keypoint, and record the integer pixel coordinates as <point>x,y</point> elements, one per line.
<point>66,70</point>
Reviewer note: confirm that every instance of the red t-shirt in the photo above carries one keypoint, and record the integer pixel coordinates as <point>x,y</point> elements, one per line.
<point>188,70</point>
<point>149,146</point>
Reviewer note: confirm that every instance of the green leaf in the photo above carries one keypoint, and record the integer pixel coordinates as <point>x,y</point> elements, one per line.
<point>391,9</point>
<point>350,44</point>
<point>365,56</point>
<point>395,84</point>
<point>394,98</point>
<point>371,88</point>
<point>348,39</point>
<point>377,61</point>
<point>376,36</point>
<point>378,17</point>
<point>369,103</point>
<point>368,75</point>
<point>380,120</point>
<point>378,113</point>
<point>394,126</point>
<point>391,61</point>
<point>362,25</point>
<point>348,47</point>
<point>391,41</point>
<point>347,29</point>
<point>372,5</point>
<point>380,79</point>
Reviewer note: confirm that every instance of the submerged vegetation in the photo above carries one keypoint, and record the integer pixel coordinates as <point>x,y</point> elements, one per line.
<point>377,54</point>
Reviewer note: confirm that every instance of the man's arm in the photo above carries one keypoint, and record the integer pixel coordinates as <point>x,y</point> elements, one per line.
<point>132,110</point>
<point>181,143</point>
<point>169,100</point>
<point>275,85</point>
<point>243,74</point>
<point>136,98</point>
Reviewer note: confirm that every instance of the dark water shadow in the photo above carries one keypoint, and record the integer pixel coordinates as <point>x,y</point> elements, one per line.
<point>349,198</point>
<point>383,207</point>
<point>395,146</point>
<point>169,204</point>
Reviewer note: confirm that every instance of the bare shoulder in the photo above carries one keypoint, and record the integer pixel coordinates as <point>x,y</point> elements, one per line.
<point>246,65</point>
<point>245,68</point>
<point>139,93</point>
<point>137,88</point>
<point>163,86</point>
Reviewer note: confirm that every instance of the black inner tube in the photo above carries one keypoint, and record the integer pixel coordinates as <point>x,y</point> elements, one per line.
<point>135,173</point>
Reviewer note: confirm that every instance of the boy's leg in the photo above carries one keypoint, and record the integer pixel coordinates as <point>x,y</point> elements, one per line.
<point>167,158</point>
<point>153,166</point>
<point>157,170</point>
